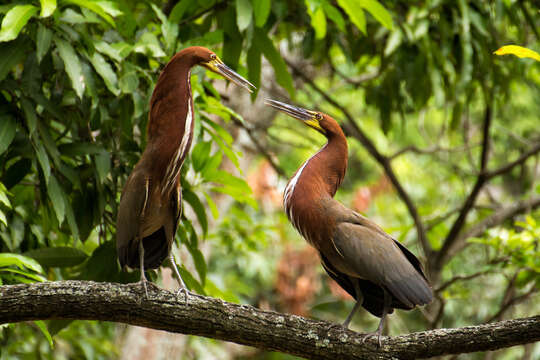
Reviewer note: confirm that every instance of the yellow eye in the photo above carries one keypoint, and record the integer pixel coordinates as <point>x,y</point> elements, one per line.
<point>213,57</point>
<point>318,116</point>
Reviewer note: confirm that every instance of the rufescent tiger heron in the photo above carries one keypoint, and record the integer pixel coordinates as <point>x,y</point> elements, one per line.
<point>376,270</point>
<point>150,206</point>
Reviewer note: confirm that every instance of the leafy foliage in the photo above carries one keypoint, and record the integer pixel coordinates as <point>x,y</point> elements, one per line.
<point>74,95</point>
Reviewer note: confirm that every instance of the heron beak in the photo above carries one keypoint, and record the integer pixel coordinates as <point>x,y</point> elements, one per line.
<point>216,65</point>
<point>308,117</point>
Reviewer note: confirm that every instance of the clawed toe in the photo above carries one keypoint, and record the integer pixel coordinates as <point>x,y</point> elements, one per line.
<point>143,283</point>
<point>183,291</point>
<point>367,336</point>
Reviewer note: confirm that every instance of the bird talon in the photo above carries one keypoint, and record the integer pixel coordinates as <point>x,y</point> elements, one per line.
<point>143,283</point>
<point>184,291</point>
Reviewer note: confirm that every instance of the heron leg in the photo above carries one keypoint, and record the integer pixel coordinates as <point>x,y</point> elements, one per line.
<point>183,289</point>
<point>359,301</point>
<point>387,304</point>
<point>141,259</point>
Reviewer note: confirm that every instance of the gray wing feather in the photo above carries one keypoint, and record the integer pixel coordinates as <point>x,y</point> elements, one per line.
<point>128,221</point>
<point>370,254</point>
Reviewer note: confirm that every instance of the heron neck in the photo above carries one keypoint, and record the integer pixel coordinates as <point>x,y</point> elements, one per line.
<point>323,173</point>
<point>170,126</point>
<point>170,100</point>
<point>313,186</point>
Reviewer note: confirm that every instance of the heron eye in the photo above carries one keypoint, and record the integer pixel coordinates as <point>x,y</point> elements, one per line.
<point>318,116</point>
<point>213,56</point>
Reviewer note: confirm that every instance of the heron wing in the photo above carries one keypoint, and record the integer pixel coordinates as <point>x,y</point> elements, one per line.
<point>132,206</point>
<point>372,294</point>
<point>372,255</point>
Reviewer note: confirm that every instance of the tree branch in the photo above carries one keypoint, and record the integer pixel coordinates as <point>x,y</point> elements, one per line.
<point>243,324</point>
<point>260,148</point>
<point>458,225</point>
<point>520,160</point>
<point>495,219</point>
<point>384,161</point>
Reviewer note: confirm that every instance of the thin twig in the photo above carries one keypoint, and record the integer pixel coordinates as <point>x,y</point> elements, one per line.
<point>511,302</point>
<point>260,148</point>
<point>430,150</point>
<point>535,149</point>
<point>498,217</point>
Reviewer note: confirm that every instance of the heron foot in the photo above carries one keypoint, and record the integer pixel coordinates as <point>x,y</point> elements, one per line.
<point>143,283</point>
<point>369,335</point>
<point>185,292</point>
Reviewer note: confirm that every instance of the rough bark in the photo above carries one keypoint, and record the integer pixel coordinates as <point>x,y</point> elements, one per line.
<point>243,324</point>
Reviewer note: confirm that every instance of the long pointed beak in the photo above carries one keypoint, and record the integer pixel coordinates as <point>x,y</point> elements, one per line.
<point>308,117</point>
<point>228,73</point>
<point>291,110</point>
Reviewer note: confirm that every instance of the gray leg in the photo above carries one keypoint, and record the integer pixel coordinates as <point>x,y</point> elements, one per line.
<point>387,304</point>
<point>359,301</point>
<point>141,259</point>
<point>183,288</point>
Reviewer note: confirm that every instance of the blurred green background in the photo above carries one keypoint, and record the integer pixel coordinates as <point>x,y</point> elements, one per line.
<point>416,77</point>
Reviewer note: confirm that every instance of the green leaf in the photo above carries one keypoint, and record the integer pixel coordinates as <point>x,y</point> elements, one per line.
<point>26,275</point>
<point>20,261</point>
<point>41,325</point>
<point>105,70</point>
<point>56,194</point>
<point>193,200</point>
<point>17,50</point>
<point>103,166</point>
<point>47,7</point>
<point>261,10</point>
<point>15,20</point>
<point>283,77</point>
<point>200,263</point>
<point>353,8</point>
<point>3,197</point>
<point>43,41</point>
<point>212,205</point>
<point>8,127</point>
<point>149,44</point>
<point>62,256</point>
<point>178,10</point>
<point>97,7</point>
<point>190,281</point>
<point>56,325</point>
<point>29,115</point>
<point>43,159</point>
<point>254,68</point>
<point>334,15</point>
<point>200,154</point>
<point>168,29</point>
<point>16,172</point>
<point>72,65</point>
<point>318,21</point>
<point>81,149</point>
<point>243,14</point>
<point>232,39</point>
<point>379,12</point>
<point>129,81</point>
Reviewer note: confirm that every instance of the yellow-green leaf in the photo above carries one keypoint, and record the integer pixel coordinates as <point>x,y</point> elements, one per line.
<point>15,20</point>
<point>354,10</point>
<point>47,7</point>
<point>379,12</point>
<point>519,51</point>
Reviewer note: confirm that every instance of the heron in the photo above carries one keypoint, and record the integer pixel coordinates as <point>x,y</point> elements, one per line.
<point>374,268</point>
<point>151,201</point>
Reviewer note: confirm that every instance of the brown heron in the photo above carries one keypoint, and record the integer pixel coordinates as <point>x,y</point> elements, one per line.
<point>150,205</point>
<point>375,269</point>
